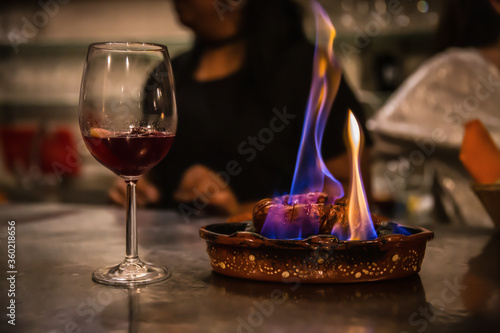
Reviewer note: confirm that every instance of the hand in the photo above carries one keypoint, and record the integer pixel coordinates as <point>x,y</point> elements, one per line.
<point>245,213</point>
<point>205,189</point>
<point>146,193</point>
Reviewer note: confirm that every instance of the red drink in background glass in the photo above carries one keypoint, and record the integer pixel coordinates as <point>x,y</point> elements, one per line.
<point>53,151</point>
<point>130,154</point>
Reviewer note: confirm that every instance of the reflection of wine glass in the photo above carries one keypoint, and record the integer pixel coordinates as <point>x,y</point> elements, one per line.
<point>128,120</point>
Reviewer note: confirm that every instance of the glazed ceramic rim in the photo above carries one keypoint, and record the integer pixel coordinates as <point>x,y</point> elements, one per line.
<point>252,240</point>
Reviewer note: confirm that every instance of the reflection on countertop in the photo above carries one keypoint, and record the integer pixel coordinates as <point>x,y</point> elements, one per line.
<point>58,246</point>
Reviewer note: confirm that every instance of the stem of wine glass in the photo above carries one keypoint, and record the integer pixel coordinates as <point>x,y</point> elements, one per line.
<point>131,253</point>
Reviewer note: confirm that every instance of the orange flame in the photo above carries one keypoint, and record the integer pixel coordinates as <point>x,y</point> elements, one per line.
<point>360,222</point>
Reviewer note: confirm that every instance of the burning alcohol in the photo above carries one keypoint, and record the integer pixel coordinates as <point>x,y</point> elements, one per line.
<point>360,221</point>
<point>314,188</point>
<point>311,236</point>
<point>311,173</point>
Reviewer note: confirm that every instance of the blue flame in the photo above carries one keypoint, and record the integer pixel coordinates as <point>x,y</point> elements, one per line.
<point>310,169</point>
<point>285,221</point>
<point>401,230</point>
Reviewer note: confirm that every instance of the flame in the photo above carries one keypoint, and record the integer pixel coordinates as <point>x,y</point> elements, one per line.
<point>292,222</point>
<point>360,222</point>
<point>311,172</point>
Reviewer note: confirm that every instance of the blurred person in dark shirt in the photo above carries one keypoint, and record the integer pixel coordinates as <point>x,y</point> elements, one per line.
<point>241,94</point>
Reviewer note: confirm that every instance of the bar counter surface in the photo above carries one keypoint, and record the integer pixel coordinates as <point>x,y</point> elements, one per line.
<point>59,245</point>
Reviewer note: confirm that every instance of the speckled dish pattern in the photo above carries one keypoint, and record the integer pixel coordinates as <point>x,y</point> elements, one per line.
<point>233,251</point>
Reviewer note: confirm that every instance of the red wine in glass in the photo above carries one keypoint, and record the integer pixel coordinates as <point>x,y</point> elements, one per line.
<point>128,154</point>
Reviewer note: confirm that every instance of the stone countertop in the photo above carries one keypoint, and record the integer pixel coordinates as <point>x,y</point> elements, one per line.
<point>59,245</point>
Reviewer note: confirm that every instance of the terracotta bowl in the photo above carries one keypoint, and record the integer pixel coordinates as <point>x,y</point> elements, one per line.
<point>236,251</point>
<point>489,195</point>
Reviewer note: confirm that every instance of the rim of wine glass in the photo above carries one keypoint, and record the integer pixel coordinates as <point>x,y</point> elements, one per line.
<point>128,46</point>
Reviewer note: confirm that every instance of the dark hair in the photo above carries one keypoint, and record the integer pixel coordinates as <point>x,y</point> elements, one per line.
<point>465,23</point>
<point>271,29</point>
<point>273,25</point>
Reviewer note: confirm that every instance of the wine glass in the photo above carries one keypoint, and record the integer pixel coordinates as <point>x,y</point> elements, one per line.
<point>128,120</point>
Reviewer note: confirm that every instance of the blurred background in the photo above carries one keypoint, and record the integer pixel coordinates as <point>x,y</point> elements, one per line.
<point>42,49</point>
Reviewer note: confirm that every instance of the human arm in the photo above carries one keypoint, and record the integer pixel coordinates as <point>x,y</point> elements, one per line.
<point>199,187</point>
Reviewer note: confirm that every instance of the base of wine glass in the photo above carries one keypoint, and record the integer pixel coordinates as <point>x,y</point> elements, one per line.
<point>131,272</point>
